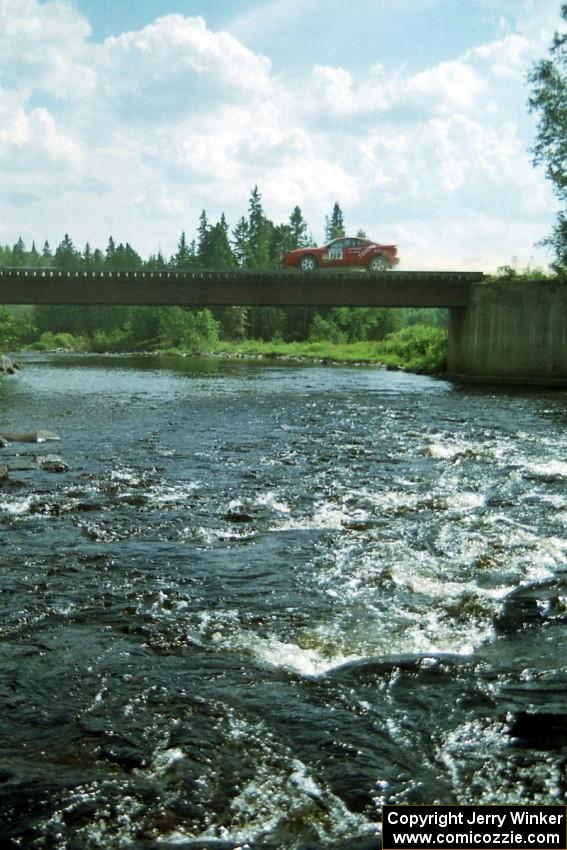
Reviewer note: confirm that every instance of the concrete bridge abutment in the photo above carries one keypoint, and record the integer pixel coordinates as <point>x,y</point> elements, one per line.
<point>511,332</point>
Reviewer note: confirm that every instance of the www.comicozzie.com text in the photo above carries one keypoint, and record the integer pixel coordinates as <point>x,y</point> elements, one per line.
<point>497,826</point>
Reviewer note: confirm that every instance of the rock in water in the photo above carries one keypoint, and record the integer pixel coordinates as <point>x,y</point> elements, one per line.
<point>29,437</point>
<point>52,463</point>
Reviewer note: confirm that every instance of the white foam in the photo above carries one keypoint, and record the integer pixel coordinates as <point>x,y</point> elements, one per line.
<point>548,469</point>
<point>289,656</point>
<point>270,501</point>
<point>16,507</point>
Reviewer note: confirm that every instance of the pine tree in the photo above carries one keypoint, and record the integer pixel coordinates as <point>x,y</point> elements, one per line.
<point>98,260</point>
<point>110,252</point>
<point>87,257</point>
<point>184,258</point>
<point>334,226</point>
<point>46,253</point>
<point>67,258</point>
<point>202,232</point>
<point>215,250</point>
<point>156,262</point>
<point>298,227</point>
<point>34,260</point>
<point>19,253</point>
<point>240,242</point>
<point>259,233</point>
<point>132,260</point>
<point>282,242</point>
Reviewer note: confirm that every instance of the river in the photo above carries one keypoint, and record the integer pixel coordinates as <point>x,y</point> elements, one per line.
<point>267,598</point>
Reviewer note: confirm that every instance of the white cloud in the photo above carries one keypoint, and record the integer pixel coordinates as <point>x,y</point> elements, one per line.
<point>182,53</point>
<point>137,134</point>
<point>43,46</point>
<point>449,87</point>
<point>31,141</point>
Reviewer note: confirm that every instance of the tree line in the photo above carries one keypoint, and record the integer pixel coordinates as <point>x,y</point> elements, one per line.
<point>255,243</point>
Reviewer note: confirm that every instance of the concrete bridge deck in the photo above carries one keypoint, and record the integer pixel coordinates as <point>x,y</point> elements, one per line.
<point>204,288</point>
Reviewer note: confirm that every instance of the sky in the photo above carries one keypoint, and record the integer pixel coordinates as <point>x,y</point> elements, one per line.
<point>129,117</point>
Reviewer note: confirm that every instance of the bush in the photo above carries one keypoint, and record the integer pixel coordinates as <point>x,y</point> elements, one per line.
<point>325,330</point>
<point>418,347</point>
<point>49,341</point>
<point>13,328</point>
<point>195,331</point>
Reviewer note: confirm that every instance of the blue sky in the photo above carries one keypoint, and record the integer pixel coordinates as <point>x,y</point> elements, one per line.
<point>129,117</point>
<point>303,34</point>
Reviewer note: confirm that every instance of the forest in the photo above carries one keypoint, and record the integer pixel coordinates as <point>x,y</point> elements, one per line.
<point>411,337</point>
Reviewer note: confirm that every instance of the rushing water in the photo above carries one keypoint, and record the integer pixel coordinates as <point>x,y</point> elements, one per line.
<point>266,599</point>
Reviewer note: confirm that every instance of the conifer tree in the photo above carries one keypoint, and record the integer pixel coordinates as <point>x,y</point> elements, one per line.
<point>202,232</point>
<point>34,258</point>
<point>334,226</point>
<point>298,227</point>
<point>259,233</point>
<point>87,256</point>
<point>67,258</point>
<point>240,242</point>
<point>19,253</point>
<point>215,250</point>
<point>98,260</point>
<point>156,262</point>
<point>184,258</point>
<point>109,253</point>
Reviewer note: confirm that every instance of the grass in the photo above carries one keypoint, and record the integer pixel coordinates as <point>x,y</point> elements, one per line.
<point>416,348</point>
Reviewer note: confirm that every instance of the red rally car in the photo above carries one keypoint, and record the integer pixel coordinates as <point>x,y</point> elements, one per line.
<point>346,252</point>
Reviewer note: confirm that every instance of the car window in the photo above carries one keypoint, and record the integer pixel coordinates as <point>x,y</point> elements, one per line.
<point>338,243</point>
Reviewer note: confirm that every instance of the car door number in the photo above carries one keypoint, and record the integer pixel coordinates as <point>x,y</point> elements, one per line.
<point>335,254</point>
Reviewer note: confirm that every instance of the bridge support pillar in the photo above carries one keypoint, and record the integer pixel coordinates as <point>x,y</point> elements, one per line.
<point>512,332</point>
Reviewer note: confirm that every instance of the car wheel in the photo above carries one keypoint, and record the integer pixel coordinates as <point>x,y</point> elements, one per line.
<point>307,263</point>
<point>379,263</point>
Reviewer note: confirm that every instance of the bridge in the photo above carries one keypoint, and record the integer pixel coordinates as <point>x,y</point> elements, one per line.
<point>260,288</point>
<point>507,332</point>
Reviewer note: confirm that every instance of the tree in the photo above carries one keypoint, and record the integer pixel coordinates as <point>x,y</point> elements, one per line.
<point>335,225</point>
<point>46,254</point>
<point>67,258</point>
<point>282,241</point>
<point>214,250</point>
<point>259,233</point>
<point>202,232</point>
<point>548,79</point>
<point>156,262</point>
<point>185,256</point>
<point>13,326</point>
<point>240,242</point>
<point>19,253</point>
<point>34,259</point>
<point>126,259</point>
<point>110,251</point>
<point>87,256</point>
<point>298,227</point>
